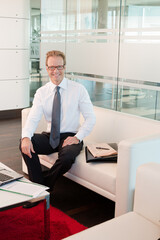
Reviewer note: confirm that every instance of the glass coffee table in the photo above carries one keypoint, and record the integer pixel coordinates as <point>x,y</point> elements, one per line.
<point>10,200</point>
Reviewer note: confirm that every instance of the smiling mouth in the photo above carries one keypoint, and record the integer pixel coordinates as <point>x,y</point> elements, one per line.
<point>56,75</point>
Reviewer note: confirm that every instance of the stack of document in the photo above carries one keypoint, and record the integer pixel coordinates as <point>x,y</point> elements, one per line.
<point>101,150</point>
<point>24,187</point>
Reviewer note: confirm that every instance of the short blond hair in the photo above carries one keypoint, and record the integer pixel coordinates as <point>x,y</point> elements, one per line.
<point>55,53</point>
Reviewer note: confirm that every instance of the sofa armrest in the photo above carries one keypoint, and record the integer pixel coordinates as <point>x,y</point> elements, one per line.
<point>131,154</point>
<point>147,193</point>
<point>24,115</point>
<point>42,126</point>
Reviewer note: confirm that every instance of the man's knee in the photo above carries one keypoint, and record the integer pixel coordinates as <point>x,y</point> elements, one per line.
<point>70,151</point>
<point>66,162</point>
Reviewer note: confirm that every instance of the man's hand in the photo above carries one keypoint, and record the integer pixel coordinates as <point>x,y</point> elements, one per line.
<point>70,141</point>
<point>27,147</point>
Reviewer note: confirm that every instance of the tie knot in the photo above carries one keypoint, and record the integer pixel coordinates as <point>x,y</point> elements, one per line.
<point>57,89</point>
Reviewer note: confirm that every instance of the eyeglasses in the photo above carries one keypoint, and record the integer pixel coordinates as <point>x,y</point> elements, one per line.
<point>59,67</point>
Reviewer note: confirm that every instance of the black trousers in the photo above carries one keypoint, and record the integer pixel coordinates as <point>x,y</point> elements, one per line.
<point>66,157</point>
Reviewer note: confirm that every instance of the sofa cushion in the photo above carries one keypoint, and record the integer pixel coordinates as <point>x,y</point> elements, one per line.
<point>104,172</point>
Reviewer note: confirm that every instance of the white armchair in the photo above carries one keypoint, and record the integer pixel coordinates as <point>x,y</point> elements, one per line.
<point>141,224</point>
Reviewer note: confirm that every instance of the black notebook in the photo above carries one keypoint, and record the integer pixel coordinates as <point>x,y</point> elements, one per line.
<point>110,158</point>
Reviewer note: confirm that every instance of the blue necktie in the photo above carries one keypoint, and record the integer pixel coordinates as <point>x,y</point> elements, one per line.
<point>55,124</point>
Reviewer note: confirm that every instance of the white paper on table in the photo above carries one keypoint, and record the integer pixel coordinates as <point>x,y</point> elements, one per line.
<point>24,188</point>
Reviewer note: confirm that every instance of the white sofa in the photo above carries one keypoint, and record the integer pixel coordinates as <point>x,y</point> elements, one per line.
<point>138,142</point>
<point>141,224</point>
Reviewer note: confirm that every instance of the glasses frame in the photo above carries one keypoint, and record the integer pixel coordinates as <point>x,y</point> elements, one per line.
<point>59,67</point>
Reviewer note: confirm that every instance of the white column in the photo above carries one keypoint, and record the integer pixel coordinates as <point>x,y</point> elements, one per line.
<point>14,54</point>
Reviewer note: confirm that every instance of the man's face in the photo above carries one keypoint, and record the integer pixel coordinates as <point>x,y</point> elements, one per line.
<point>55,68</point>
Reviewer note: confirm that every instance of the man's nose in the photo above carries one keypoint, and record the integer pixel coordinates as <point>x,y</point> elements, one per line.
<point>55,70</point>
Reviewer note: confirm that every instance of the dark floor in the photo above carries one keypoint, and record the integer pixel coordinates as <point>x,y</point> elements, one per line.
<point>83,205</point>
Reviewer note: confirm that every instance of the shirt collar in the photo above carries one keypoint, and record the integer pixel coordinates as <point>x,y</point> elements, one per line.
<point>62,85</point>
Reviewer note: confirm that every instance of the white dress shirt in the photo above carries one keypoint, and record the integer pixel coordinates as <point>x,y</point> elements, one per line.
<point>74,100</point>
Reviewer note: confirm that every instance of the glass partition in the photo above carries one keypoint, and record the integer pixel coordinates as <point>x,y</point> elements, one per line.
<point>112,48</point>
<point>139,70</point>
<point>35,34</point>
<point>53,28</point>
<point>35,40</point>
<point>92,47</point>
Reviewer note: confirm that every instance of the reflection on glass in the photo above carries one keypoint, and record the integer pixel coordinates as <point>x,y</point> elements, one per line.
<point>100,93</point>
<point>136,101</point>
<point>92,47</point>
<point>35,40</point>
<point>53,14</point>
<point>139,49</point>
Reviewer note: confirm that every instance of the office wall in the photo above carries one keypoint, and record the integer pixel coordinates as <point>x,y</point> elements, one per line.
<point>14,54</point>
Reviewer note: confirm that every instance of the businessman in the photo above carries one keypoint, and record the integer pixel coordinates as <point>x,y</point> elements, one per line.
<point>60,101</point>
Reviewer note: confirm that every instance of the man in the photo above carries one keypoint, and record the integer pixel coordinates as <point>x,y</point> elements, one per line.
<point>74,100</point>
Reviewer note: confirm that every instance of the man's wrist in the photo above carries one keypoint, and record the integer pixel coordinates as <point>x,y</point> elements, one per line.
<point>77,139</point>
<point>24,138</point>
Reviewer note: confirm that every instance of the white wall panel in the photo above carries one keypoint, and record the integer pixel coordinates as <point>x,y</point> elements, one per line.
<point>14,64</point>
<point>14,54</point>
<point>15,8</point>
<point>14,94</point>
<point>14,33</point>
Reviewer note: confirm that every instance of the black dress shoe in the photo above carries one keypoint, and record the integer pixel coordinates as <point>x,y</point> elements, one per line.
<point>30,205</point>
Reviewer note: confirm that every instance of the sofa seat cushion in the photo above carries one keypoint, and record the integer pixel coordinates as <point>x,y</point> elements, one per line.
<point>101,174</point>
<point>128,226</point>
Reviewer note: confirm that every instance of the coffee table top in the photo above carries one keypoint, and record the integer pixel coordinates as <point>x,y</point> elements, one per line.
<point>9,199</point>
